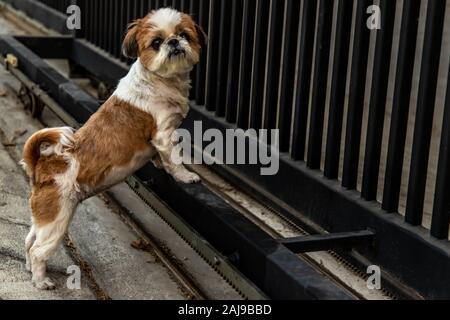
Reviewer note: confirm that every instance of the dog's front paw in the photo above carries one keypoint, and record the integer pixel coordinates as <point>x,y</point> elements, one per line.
<point>45,284</point>
<point>187,177</point>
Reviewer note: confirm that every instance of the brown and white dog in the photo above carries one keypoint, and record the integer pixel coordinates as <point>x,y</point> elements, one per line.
<point>133,126</point>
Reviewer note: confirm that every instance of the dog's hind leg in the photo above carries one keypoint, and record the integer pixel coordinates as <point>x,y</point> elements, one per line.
<point>29,241</point>
<point>48,237</point>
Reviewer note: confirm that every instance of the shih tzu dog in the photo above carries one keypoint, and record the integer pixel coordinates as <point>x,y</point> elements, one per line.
<point>133,126</point>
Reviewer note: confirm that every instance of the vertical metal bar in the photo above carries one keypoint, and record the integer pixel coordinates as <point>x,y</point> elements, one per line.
<point>114,27</point>
<point>319,83</point>
<point>119,27</point>
<point>425,110</point>
<point>258,66</point>
<point>140,9</point>
<point>87,21</point>
<point>222,63</point>
<point>287,77</point>
<point>124,22</point>
<point>201,67</point>
<point>123,26</point>
<point>108,25</point>
<point>111,26</point>
<point>338,84</point>
<point>304,61</point>
<point>130,17</point>
<point>193,10</point>
<point>245,69</point>
<point>184,7</point>
<point>441,207</point>
<point>377,108</point>
<point>99,17</point>
<point>273,64</point>
<point>118,31</point>
<point>356,97</point>
<point>213,52</point>
<point>176,4</point>
<point>136,6</point>
<point>96,22</point>
<point>151,5</point>
<point>400,106</point>
<point>233,62</point>
<point>108,22</point>
<point>80,33</point>
<point>146,5</point>
<point>102,24</point>
<point>92,20</point>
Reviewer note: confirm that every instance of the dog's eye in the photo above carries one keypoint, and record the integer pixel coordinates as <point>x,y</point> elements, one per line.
<point>156,43</point>
<point>185,35</point>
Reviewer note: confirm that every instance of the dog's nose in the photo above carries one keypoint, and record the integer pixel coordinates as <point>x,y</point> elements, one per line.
<point>173,42</point>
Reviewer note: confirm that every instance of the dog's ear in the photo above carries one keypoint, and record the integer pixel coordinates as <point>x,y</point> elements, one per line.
<point>202,37</point>
<point>130,47</point>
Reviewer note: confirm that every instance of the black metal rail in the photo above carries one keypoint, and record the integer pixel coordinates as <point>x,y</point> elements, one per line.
<point>271,83</point>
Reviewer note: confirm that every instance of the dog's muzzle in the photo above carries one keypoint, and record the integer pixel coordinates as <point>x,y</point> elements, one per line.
<point>175,48</point>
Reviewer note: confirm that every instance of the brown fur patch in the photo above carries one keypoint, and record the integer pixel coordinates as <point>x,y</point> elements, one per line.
<point>48,167</point>
<point>45,195</point>
<point>111,138</point>
<point>189,26</point>
<point>145,36</point>
<point>31,150</point>
<point>45,203</point>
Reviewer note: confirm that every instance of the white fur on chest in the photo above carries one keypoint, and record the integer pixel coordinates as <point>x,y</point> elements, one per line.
<point>163,99</point>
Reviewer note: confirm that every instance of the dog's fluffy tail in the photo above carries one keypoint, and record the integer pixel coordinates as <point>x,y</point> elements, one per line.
<point>45,142</point>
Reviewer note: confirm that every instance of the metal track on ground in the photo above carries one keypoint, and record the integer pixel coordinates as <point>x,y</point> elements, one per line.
<point>313,258</point>
<point>216,260</point>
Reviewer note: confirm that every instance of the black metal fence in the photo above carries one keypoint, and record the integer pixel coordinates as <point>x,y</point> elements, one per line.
<point>267,65</point>
<point>341,95</point>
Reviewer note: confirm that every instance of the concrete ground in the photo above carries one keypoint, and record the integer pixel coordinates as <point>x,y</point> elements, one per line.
<point>14,212</point>
<point>15,215</point>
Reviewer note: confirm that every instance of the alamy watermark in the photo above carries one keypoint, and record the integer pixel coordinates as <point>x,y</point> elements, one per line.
<point>234,146</point>
<point>374,21</point>
<point>73,281</point>
<point>73,21</point>
<point>373,282</point>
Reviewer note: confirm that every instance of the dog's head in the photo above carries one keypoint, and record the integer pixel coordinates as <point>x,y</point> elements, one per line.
<point>166,41</point>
